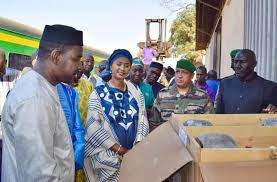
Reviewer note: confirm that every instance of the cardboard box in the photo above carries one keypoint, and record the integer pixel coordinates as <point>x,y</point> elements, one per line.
<point>155,158</point>
<point>252,171</point>
<point>259,138</point>
<point>163,153</point>
<point>222,119</point>
<point>177,121</point>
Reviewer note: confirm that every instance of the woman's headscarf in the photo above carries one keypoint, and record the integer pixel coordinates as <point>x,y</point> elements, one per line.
<point>137,61</point>
<point>118,53</point>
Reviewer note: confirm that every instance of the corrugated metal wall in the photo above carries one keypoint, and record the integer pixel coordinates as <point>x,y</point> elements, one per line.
<point>260,27</point>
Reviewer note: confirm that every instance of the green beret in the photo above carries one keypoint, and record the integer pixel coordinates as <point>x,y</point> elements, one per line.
<point>234,52</point>
<point>185,64</point>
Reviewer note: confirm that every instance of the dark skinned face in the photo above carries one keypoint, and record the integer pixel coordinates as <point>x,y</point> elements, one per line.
<point>68,64</point>
<point>200,76</point>
<point>168,76</point>
<point>78,74</point>
<point>88,64</point>
<point>136,74</point>
<point>153,75</point>
<point>102,66</point>
<point>244,67</point>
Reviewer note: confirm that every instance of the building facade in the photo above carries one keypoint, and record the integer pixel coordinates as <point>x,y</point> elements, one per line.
<point>250,24</point>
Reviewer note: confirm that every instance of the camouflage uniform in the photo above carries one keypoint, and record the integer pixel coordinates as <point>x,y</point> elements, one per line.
<point>169,101</point>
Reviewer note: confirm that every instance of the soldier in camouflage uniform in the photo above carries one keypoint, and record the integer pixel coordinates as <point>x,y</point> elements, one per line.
<point>181,98</point>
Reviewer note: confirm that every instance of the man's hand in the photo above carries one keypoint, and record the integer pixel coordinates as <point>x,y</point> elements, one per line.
<point>270,109</point>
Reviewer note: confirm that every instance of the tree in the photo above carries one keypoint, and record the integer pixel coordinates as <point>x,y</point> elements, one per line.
<point>183,33</point>
<point>174,5</point>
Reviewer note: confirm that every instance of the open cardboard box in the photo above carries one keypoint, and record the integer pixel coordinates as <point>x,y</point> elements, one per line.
<point>222,119</point>
<point>251,171</point>
<point>163,153</point>
<point>259,138</point>
<point>254,143</point>
<point>155,158</point>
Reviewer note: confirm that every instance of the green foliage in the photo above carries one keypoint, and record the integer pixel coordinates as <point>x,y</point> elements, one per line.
<point>183,33</point>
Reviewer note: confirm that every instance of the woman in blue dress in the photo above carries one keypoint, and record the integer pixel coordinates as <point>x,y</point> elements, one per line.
<point>116,119</point>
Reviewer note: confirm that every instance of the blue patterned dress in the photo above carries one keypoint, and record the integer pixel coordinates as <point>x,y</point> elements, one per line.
<point>114,116</point>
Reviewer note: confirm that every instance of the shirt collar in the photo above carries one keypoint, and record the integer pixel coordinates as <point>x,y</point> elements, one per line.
<point>85,76</point>
<point>174,90</point>
<point>203,87</point>
<point>250,79</point>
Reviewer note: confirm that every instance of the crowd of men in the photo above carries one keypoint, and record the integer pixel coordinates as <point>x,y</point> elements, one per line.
<point>44,110</point>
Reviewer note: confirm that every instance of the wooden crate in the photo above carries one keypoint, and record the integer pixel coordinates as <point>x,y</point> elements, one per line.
<point>177,120</point>
<point>260,138</point>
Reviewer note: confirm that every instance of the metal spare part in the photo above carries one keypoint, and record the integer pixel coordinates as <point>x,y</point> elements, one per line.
<point>216,140</point>
<point>195,122</point>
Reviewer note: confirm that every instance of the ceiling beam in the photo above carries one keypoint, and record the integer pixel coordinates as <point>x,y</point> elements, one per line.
<point>209,5</point>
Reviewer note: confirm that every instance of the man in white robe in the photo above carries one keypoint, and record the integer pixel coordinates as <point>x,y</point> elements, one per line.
<point>36,141</point>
